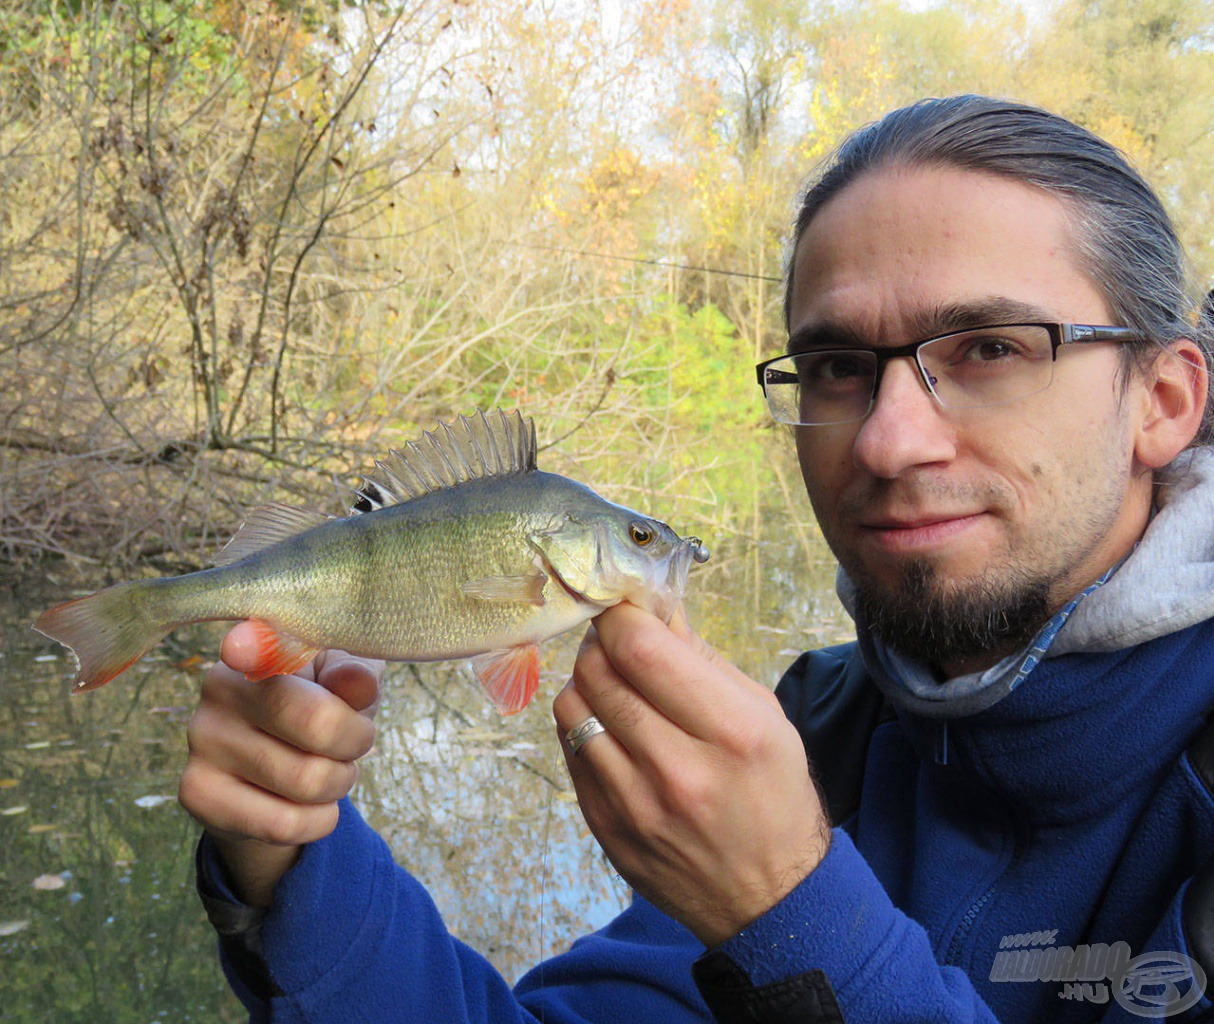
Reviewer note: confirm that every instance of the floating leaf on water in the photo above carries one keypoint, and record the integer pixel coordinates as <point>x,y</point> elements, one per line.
<point>12,927</point>
<point>48,883</point>
<point>154,800</point>
<point>8,812</point>
<point>482,735</point>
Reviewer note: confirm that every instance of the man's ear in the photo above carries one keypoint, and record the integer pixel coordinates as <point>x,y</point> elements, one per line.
<point>1174,390</point>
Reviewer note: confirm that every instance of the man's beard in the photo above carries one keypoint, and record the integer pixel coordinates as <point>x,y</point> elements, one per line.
<point>940,624</point>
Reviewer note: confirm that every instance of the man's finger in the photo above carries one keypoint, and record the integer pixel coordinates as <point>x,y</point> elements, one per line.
<point>571,711</point>
<point>682,678</point>
<point>241,650</point>
<point>231,806</point>
<point>305,715</point>
<point>632,720</point>
<point>355,680</point>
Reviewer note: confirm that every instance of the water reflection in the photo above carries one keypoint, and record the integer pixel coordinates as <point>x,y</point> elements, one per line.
<point>478,807</point>
<point>111,931</point>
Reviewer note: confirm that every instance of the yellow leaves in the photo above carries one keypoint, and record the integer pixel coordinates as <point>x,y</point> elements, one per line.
<point>1118,130</point>
<point>615,183</point>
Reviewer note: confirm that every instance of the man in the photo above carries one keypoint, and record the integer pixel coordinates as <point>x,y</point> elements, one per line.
<point>997,383</point>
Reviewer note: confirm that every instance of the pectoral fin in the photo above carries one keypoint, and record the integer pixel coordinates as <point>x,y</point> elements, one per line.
<point>510,589</point>
<point>509,677</point>
<point>277,653</point>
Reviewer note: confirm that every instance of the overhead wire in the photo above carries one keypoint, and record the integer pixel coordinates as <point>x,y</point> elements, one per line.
<point>650,262</point>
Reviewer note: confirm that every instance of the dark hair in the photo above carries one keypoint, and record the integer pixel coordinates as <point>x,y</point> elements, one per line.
<point>1122,233</point>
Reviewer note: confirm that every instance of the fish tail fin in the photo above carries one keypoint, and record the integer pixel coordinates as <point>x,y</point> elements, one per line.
<point>106,632</point>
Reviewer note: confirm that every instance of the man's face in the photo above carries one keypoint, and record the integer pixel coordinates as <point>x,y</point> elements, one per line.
<point>963,530</point>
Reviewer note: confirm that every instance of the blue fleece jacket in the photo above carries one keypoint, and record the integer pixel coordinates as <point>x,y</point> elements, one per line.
<point>1057,829</point>
<point>1067,809</point>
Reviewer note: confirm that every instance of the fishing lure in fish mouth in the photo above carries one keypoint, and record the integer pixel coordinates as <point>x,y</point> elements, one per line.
<point>459,548</point>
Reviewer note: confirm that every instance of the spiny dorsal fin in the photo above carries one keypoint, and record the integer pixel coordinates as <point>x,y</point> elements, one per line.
<point>266,525</point>
<point>471,448</point>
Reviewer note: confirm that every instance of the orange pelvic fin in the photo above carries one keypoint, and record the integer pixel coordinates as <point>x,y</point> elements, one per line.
<point>277,653</point>
<point>509,677</point>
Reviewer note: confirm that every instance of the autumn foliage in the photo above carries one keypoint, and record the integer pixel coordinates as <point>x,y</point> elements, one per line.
<point>248,246</point>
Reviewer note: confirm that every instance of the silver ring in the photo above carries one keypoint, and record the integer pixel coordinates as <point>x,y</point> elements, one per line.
<point>578,735</point>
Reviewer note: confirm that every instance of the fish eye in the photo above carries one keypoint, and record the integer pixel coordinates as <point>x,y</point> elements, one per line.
<point>642,535</point>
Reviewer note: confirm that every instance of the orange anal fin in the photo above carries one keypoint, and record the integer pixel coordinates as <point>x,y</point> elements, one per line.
<point>277,653</point>
<point>509,677</point>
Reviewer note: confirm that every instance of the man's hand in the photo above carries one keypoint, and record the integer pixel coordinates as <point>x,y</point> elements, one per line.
<point>268,761</point>
<point>700,792</point>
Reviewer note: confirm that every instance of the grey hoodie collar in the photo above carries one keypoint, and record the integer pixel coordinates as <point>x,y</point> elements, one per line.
<point>1165,585</point>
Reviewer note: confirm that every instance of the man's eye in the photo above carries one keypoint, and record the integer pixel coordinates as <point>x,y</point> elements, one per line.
<point>835,366</point>
<point>988,350</point>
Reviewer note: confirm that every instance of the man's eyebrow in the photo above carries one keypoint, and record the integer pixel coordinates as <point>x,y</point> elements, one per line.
<point>824,335</point>
<point>985,312</point>
<point>953,316</point>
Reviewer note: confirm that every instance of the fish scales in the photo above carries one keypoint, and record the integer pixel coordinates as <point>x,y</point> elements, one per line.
<point>386,583</point>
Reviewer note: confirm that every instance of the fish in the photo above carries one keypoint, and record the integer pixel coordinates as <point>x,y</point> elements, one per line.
<point>459,548</point>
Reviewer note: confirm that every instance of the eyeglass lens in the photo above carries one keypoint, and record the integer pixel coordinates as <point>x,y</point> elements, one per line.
<point>990,366</point>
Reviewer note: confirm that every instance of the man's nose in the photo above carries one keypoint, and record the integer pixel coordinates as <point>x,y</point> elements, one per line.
<point>906,426</point>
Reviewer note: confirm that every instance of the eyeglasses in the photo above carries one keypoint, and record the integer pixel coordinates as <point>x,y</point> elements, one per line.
<point>961,370</point>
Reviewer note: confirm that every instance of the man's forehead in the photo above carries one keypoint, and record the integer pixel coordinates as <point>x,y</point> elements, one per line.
<point>903,254</point>
<point>915,322</point>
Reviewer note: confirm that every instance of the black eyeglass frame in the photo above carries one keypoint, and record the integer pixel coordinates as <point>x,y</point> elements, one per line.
<point>1060,334</point>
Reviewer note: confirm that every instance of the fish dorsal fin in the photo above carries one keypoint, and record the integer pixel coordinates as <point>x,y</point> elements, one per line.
<point>471,448</point>
<point>266,525</point>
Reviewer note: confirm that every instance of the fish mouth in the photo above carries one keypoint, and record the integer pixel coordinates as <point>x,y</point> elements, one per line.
<point>689,549</point>
<point>668,587</point>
